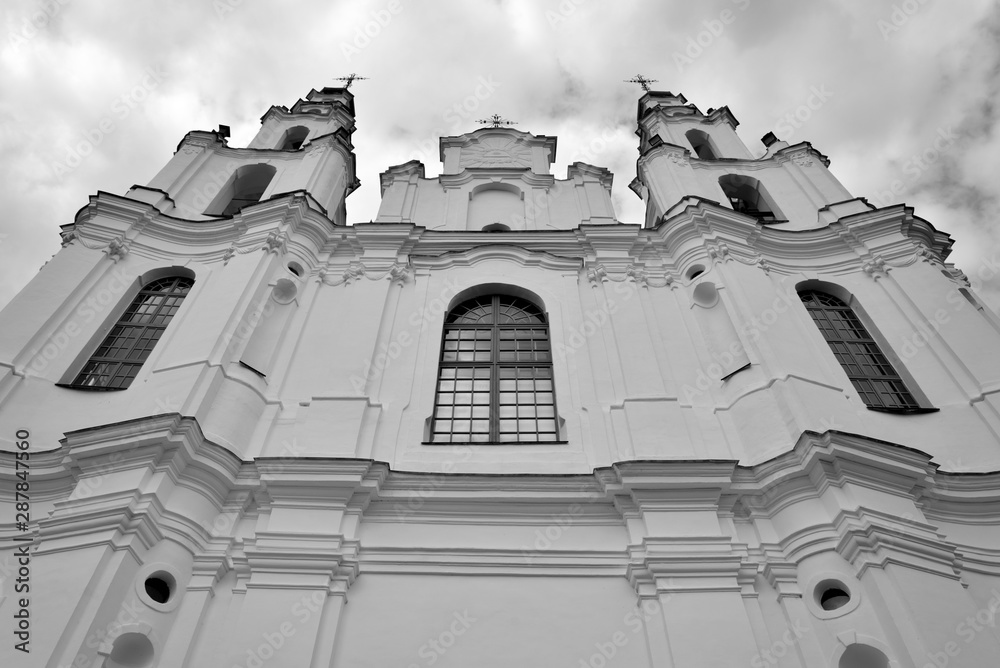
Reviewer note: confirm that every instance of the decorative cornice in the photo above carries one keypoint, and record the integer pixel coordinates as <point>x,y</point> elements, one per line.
<point>397,273</point>
<point>597,273</point>
<point>486,252</point>
<point>638,498</point>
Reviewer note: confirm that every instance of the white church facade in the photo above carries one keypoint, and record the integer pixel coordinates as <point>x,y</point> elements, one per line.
<point>496,426</point>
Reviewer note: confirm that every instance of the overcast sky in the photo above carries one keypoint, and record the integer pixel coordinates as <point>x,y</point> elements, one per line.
<point>886,81</point>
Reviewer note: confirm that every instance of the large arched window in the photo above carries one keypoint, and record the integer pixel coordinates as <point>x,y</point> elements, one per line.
<point>120,356</point>
<point>495,381</point>
<point>871,373</point>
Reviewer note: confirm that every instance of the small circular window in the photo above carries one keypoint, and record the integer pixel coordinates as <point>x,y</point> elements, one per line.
<point>834,598</point>
<point>157,586</point>
<point>160,586</point>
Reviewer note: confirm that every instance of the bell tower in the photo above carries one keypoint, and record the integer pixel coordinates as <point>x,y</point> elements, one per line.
<point>306,148</point>
<point>686,153</point>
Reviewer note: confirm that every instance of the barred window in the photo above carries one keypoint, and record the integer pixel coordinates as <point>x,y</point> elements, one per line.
<point>871,373</point>
<point>495,381</point>
<point>118,359</point>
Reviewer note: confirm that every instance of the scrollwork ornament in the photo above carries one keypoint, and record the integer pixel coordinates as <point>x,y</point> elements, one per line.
<point>875,267</point>
<point>68,237</point>
<point>117,249</point>
<point>275,242</point>
<point>400,274</point>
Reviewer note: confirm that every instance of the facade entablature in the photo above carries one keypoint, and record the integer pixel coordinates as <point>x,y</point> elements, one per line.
<point>111,221</point>
<point>893,236</point>
<point>478,254</point>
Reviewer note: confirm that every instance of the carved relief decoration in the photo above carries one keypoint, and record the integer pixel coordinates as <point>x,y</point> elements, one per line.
<point>496,152</point>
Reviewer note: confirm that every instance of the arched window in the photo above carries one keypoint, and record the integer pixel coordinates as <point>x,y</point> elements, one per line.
<point>495,381</point>
<point>246,186</point>
<point>748,195</point>
<point>702,144</point>
<point>130,341</point>
<point>294,138</point>
<point>871,373</point>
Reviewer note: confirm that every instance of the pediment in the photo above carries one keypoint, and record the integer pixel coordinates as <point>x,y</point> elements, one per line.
<point>496,151</point>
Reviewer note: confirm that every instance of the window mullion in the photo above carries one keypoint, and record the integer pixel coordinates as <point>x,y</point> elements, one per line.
<point>495,373</point>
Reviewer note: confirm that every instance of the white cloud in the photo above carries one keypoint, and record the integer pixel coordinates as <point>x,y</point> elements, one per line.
<point>562,77</point>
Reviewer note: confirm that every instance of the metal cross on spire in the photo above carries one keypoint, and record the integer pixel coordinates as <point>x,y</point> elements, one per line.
<point>351,78</point>
<point>642,81</point>
<point>496,120</point>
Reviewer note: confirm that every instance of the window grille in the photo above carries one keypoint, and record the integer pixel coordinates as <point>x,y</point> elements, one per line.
<point>871,373</point>
<point>118,359</point>
<point>495,381</point>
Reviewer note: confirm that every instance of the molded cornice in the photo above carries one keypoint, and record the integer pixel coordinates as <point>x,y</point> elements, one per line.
<point>144,229</point>
<point>482,253</point>
<point>635,498</point>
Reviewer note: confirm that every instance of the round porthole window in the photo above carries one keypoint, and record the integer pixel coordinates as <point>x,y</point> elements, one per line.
<point>833,598</point>
<point>160,587</point>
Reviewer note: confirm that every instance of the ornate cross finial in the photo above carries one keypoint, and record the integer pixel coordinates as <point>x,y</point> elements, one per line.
<point>642,81</point>
<point>496,120</point>
<point>351,78</point>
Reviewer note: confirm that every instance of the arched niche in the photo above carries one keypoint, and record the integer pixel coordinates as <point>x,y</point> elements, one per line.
<point>746,194</point>
<point>862,656</point>
<point>494,203</point>
<point>246,186</point>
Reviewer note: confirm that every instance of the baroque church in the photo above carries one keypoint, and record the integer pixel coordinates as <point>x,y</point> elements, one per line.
<point>496,426</point>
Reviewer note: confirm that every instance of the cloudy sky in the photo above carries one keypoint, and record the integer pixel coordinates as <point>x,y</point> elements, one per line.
<point>96,95</point>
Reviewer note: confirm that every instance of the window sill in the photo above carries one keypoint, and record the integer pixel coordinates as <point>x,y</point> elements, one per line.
<point>90,388</point>
<point>902,411</point>
<point>465,443</point>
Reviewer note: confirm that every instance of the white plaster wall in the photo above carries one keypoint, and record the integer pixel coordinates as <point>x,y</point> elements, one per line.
<point>523,621</point>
